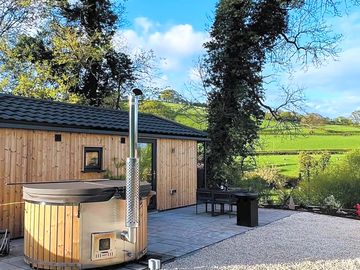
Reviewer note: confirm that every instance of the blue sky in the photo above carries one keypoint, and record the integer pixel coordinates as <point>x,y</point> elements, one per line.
<point>176,29</point>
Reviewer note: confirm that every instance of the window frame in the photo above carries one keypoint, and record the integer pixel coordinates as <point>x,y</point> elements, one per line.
<point>99,150</point>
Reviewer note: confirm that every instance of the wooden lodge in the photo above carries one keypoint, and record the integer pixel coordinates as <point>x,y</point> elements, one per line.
<point>45,141</point>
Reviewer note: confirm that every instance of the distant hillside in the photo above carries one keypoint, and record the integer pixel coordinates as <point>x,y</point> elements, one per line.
<point>194,116</point>
<point>278,149</point>
<point>189,115</point>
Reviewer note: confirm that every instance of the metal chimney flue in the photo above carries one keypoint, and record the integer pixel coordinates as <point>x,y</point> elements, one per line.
<point>132,172</point>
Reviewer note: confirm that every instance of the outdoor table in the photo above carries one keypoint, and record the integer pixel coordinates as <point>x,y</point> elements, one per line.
<point>247,209</point>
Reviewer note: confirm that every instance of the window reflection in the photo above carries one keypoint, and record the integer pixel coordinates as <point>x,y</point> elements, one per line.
<point>145,157</point>
<point>92,159</point>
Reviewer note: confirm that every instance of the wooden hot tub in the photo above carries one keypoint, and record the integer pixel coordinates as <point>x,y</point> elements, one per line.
<point>78,225</point>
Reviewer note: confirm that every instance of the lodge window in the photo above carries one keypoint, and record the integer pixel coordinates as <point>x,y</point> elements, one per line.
<point>93,159</point>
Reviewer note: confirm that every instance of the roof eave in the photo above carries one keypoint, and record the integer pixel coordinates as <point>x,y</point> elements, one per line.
<point>76,129</point>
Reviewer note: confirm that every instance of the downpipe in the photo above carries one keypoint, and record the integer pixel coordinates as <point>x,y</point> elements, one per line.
<point>132,173</point>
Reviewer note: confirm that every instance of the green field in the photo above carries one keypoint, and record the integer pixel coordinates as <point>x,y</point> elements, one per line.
<point>273,128</point>
<point>311,142</point>
<point>334,138</point>
<point>191,116</point>
<point>287,164</point>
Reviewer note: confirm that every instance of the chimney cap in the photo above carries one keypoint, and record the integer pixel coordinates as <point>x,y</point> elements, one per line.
<point>137,92</point>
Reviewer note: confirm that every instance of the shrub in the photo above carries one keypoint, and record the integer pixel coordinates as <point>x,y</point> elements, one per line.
<point>119,168</point>
<point>271,175</point>
<point>266,181</point>
<point>254,183</point>
<point>331,203</point>
<point>309,165</point>
<point>342,180</point>
<point>290,181</point>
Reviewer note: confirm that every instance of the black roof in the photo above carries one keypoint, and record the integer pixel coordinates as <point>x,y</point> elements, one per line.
<point>15,109</point>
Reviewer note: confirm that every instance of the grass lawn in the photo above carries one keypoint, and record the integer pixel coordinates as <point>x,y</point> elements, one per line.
<point>195,117</point>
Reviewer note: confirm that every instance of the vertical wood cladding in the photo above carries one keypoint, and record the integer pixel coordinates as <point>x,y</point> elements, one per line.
<point>30,156</point>
<point>176,172</point>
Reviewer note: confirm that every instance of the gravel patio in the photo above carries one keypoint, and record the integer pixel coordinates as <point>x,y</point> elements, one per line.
<point>303,241</point>
<point>172,234</point>
<point>283,240</point>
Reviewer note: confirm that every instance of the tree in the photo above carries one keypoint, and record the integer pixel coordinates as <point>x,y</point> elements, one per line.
<point>241,34</point>
<point>72,54</point>
<point>341,120</point>
<point>313,119</point>
<point>167,95</point>
<point>170,95</point>
<point>355,115</point>
<point>306,165</point>
<point>29,68</point>
<point>290,117</point>
<point>324,161</point>
<point>246,35</point>
<point>96,21</point>
<point>16,15</point>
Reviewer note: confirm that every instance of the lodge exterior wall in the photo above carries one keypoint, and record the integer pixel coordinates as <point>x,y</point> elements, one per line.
<point>177,173</point>
<point>29,156</point>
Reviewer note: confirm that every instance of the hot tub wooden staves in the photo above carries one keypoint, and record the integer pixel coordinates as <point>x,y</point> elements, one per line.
<point>52,235</point>
<point>66,235</point>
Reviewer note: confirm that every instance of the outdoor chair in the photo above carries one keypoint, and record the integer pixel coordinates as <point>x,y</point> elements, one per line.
<point>223,198</point>
<point>232,203</point>
<point>203,196</point>
<point>233,199</point>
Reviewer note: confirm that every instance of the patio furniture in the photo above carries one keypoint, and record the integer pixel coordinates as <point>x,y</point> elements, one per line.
<point>222,198</point>
<point>203,196</point>
<point>247,209</point>
<point>217,197</point>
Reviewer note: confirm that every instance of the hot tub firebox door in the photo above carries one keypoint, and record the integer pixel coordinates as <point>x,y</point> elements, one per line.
<point>102,245</point>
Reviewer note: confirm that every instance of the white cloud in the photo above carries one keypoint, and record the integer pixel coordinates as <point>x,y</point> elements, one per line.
<point>175,44</point>
<point>334,88</point>
<point>170,63</point>
<point>130,38</point>
<point>181,40</point>
<point>342,105</point>
<point>340,75</point>
<point>349,26</point>
<point>144,23</point>
<point>161,81</point>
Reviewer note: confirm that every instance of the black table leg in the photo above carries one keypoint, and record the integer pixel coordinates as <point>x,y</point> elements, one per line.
<point>212,208</point>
